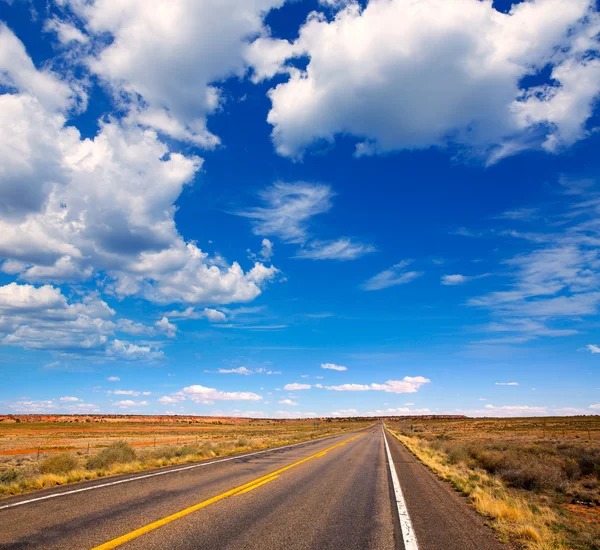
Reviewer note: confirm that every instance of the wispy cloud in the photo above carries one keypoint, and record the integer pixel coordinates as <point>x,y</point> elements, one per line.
<point>287,213</point>
<point>344,248</point>
<point>507,383</point>
<point>288,209</point>
<point>246,371</point>
<point>395,275</point>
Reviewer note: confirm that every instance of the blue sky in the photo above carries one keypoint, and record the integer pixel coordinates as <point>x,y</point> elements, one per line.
<point>272,208</point>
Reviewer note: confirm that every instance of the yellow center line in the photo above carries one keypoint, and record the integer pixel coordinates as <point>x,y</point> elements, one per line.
<point>237,491</point>
<point>252,487</point>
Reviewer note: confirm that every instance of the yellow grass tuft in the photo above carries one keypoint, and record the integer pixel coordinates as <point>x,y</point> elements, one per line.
<point>509,514</point>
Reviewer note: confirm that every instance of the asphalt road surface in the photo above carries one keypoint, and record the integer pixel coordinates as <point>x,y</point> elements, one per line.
<point>335,493</point>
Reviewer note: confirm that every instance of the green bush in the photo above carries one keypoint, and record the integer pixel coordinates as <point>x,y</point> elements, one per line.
<point>58,464</point>
<point>8,476</point>
<point>116,453</point>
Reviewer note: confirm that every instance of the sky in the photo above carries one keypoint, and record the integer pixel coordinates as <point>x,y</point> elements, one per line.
<point>300,208</point>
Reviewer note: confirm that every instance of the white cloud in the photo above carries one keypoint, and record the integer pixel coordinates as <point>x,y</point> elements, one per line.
<point>289,207</point>
<point>332,366</point>
<point>69,399</point>
<point>65,31</point>
<point>207,396</point>
<point>398,411</point>
<point>128,403</point>
<point>238,370</point>
<point>167,328</point>
<point>132,352</point>
<point>456,279</point>
<point>295,386</point>
<point>592,348</point>
<point>27,406</point>
<point>288,210</point>
<point>344,248</point>
<point>133,393</point>
<point>295,414</point>
<point>74,208</point>
<point>507,383</point>
<point>375,73</point>
<point>345,412</point>
<point>246,371</point>
<point>409,384</point>
<point>396,275</point>
<point>213,315</point>
<point>515,410</point>
<point>595,406</point>
<point>288,402</point>
<point>42,318</point>
<point>18,71</point>
<point>163,62</point>
<point>113,379</point>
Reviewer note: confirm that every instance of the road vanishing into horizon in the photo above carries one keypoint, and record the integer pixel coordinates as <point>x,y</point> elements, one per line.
<point>360,490</point>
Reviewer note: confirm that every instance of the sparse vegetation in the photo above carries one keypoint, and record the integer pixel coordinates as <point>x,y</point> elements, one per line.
<point>139,446</point>
<point>59,464</point>
<point>539,488</point>
<point>118,452</point>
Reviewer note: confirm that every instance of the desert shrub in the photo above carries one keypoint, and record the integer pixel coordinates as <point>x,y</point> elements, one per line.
<point>457,454</point>
<point>116,453</point>
<point>58,464</point>
<point>243,442</point>
<point>8,476</point>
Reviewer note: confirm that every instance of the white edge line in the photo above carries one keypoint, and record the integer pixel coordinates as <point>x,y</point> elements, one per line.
<point>56,495</point>
<point>408,531</point>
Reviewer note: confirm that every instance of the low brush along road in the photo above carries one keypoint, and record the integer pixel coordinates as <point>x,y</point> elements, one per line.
<point>353,491</point>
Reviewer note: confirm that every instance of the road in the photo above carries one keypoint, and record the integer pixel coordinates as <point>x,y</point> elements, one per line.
<point>335,493</point>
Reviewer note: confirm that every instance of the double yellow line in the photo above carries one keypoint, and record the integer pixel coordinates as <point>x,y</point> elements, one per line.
<point>242,489</point>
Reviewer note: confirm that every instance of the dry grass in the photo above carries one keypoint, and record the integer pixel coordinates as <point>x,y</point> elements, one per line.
<point>25,473</point>
<point>510,514</point>
<point>539,487</point>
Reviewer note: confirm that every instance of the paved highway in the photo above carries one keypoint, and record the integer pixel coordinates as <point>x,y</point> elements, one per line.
<point>341,492</point>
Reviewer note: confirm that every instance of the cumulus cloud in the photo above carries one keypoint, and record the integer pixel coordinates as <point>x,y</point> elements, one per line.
<point>213,315</point>
<point>132,352</point>
<point>288,402</point>
<point>113,379</point>
<point>374,72</point>
<point>163,63</point>
<point>42,318</point>
<point>296,386</point>
<point>69,399</point>
<point>207,396</point>
<point>396,275</point>
<point>409,384</point>
<point>592,348</point>
<point>167,328</point>
<point>332,366</point>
